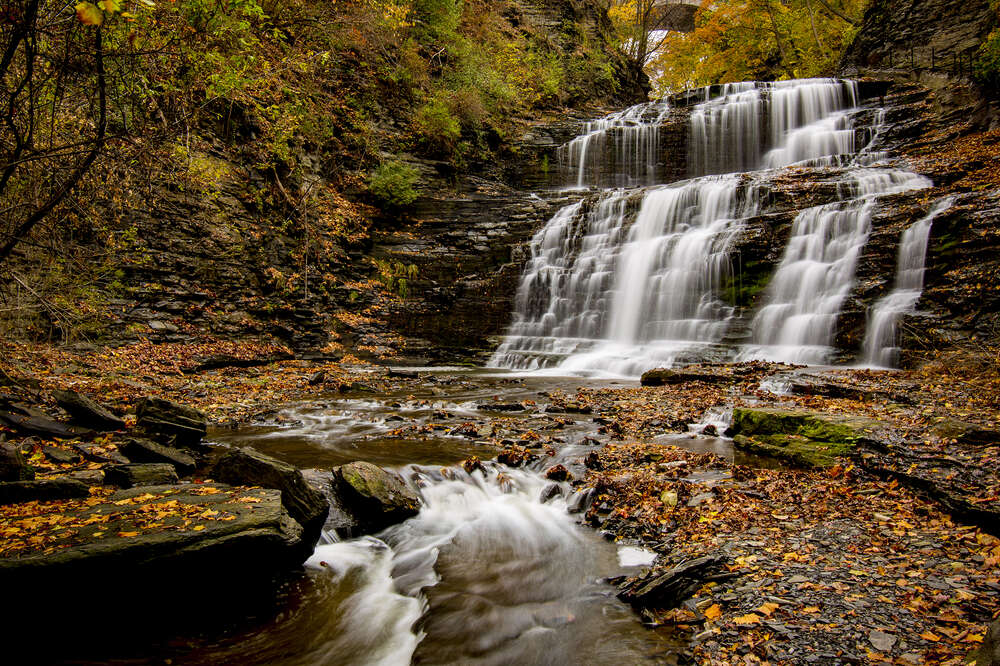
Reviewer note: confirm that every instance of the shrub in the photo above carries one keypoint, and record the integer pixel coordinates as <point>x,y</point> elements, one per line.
<point>987,65</point>
<point>393,182</point>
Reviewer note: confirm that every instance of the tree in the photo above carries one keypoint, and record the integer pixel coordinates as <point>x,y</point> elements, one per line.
<point>51,139</point>
<point>642,26</point>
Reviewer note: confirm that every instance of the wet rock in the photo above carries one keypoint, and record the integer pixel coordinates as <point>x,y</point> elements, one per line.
<point>580,501</point>
<point>558,473</point>
<point>140,474</point>
<point>550,492</point>
<point>13,467</point>
<point>317,378</point>
<point>34,424</point>
<point>146,451</point>
<point>472,464</point>
<point>87,412</point>
<point>802,438</point>
<point>99,454</point>
<point>259,541</point>
<point>516,456</point>
<point>249,467</point>
<point>465,430</point>
<point>402,374</point>
<point>592,461</point>
<point>16,492</point>
<point>575,408</point>
<point>668,377</point>
<point>500,406</point>
<point>88,477</point>
<point>710,430</point>
<point>668,590</point>
<point>169,419</point>
<point>965,433</point>
<point>375,497</point>
<point>989,652</point>
<point>60,456</point>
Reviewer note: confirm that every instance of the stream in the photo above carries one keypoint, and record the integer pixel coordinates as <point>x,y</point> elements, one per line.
<point>486,573</point>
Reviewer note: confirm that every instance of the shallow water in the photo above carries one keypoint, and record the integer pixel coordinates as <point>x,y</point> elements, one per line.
<point>486,573</point>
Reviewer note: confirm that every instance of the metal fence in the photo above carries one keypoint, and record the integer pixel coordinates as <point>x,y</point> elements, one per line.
<point>957,62</point>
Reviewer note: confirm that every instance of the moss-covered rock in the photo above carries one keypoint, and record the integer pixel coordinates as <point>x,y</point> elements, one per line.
<point>374,497</point>
<point>802,438</point>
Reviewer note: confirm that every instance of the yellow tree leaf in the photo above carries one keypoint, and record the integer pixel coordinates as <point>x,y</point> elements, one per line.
<point>749,618</point>
<point>713,612</point>
<point>767,609</point>
<point>89,14</point>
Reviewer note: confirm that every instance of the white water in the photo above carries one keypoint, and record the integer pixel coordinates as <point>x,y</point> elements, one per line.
<point>486,573</point>
<point>816,272</point>
<point>613,289</point>
<point>881,347</point>
<point>631,279</point>
<point>619,150</point>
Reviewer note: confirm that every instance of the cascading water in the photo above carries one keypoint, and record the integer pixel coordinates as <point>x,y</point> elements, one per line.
<point>628,280</point>
<point>816,273</point>
<point>619,150</point>
<point>881,347</point>
<point>613,289</point>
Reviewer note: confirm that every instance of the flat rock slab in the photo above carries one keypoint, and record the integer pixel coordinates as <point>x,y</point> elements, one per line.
<point>42,490</point>
<point>87,412</point>
<point>191,532</point>
<point>810,439</point>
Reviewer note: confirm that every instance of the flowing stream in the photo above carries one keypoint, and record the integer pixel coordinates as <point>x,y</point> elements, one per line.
<point>632,277</point>
<point>495,569</point>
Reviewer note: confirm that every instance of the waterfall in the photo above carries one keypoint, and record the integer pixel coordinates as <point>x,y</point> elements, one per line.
<point>614,289</point>
<point>881,347</point>
<point>816,273</point>
<point>750,125</point>
<point>619,150</point>
<point>630,279</point>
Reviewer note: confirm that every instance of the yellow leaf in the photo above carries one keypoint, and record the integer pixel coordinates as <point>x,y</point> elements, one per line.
<point>713,612</point>
<point>198,528</point>
<point>767,609</point>
<point>128,534</point>
<point>930,636</point>
<point>749,618</point>
<point>89,14</point>
<point>811,609</point>
<point>110,6</point>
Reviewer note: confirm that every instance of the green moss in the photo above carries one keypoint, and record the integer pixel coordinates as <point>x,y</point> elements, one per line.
<point>742,288</point>
<point>801,438</point>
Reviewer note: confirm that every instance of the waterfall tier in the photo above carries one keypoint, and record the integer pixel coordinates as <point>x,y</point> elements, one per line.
<point>629,279</point>
<point>881,347</point>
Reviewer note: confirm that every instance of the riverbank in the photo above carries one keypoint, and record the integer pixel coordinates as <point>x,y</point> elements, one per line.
<point>886,553</point>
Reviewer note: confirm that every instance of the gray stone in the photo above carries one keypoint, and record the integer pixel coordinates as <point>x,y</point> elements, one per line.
<point>249,467</point>
<point>145,451</point>
<point>140,474</point>
<point>375,497</point>
<point>163,417</point>
<point>256,541</point>
<point>13,467</point>
<point>669,589</point>
<point>15,492</point>
<point>86,411</point>
<point>881,641</point>
<point>989,651</point>
<point>60,456</point>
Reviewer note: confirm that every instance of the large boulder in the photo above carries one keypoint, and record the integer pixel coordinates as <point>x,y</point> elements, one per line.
<point>190,535</point>
<point>376,498</point>
<point>135,475</point>
<point>809,439</point>
<point>45,490</point>
<point>249,467</point>
<point>668,377</point>
<point>145,451</point>
<point>989,652</point>
<point>12,464</point>
<point>163,418</point>
<point>87,412</point>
